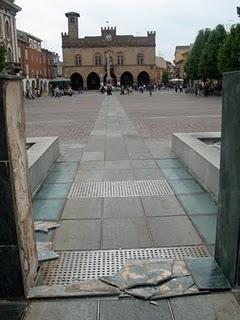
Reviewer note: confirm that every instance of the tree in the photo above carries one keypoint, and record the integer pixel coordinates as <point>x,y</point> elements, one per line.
<point>193,61</point>
<point>2,56</point>
<point>208,66</point>
<point>165,77</point>
<point>229,53</point>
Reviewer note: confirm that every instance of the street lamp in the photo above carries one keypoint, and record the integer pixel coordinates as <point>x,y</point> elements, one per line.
<point>238,11</point>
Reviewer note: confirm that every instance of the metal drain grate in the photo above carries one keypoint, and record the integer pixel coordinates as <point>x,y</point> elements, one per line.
<point>119,189</point>
<point>85,265</point>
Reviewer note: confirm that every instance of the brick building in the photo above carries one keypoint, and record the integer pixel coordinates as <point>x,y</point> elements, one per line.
<point>38,65</point>
<point>161,67</point>
<point>8,33</point>
<point>181,54</point>
<point>132,58</point>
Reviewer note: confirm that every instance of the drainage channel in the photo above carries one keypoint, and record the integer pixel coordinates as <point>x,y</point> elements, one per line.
<point>74,266</point>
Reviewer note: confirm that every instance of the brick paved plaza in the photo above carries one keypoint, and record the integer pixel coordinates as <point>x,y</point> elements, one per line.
<point>125,139</point>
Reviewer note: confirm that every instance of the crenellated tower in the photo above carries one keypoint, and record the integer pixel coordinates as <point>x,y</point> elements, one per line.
<point>72,24</point>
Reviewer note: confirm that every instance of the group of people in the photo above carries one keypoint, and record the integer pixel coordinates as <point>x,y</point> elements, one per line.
<point>206,89</point>
<point>57,92</point>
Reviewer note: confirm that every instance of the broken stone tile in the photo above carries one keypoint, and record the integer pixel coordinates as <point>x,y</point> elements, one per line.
<point>76,289</point>
<point>44,251</point>
<point>207,274</point>
<point>141,273</point>
<point>172,288</point>
<point>175,287</point>
<point>179,269</point>
<point>44,226</point>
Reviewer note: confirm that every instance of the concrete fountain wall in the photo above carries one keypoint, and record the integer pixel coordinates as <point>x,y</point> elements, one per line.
<point>43,152</point>
<point>201,159</point>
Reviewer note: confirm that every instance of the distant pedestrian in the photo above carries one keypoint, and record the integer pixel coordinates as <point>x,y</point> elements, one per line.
<point>176,88</point>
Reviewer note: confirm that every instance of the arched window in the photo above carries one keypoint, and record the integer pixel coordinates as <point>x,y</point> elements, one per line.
<point>110,60</point>
<point>7,29</point>
<point>78,60</point>
<point>140,59</point>
<point>120,59</point>
<point>98,59</point>
<point>9,55</point>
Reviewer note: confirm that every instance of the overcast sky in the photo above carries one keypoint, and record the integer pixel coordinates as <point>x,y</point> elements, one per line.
<point>176,22</point>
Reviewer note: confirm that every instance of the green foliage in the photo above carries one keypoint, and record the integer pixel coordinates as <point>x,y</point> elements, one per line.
<point>193,61</point>
<point>165,77</point>
<point>208,65</point>
<point>2,56</point>
<point>229,53</point>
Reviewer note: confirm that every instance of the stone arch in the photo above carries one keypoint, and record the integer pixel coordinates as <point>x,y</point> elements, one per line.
<point>76,81</point>
<point>28,86</point>
<point>143,78</point>
<point>45,86</point>
<point>9,54</point>
<point>41,86</point>
<point>33,86</point>
<point>93,81</point>
<point>126,79</point>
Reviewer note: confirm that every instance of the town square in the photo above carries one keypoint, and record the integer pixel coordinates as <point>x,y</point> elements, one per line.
<point>119,164</point>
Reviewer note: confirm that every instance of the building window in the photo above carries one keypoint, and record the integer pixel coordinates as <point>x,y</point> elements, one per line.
<point>78,61</point>
<point>98,60</point>
<point>7,29</point>
<point>0,23</point>
<point>140,59</point>
<point>19,53</point>
<point>120,59</point>
<point>26,54</point>
<point>9,55</point>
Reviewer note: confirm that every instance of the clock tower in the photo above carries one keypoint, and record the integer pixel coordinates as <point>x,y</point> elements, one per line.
<point>72,24</point>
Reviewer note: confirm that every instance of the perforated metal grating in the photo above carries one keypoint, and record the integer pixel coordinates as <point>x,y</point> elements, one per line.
<point>85,265</point>
<point>120,189</point>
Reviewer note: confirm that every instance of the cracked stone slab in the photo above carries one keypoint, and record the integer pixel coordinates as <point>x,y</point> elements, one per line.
<point>90,288</point>
<point>207,274</point>
<point>172,288</point>
<point>45,252</point>
<point>137,273</point>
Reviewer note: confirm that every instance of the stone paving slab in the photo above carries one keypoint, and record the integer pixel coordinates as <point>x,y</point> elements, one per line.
<point>118,175</point>
<point>148,174</point>
<point>78,235</point>
<point>76,209</point>
<point>125,233</point>
<point>92,156</point>
<point>162,206</point>
<point>173,231</point>
<point>48,209</point>
<point>12,310</point>
<point>169,163</point>
<point>143,164</point>
<point>134,310</point>
<point>53,191</point>
<point>198,204</point>
<point>122,208</point>
<point>206,226</point>
<point>185,186</point>
<point>118,165</point>
<point>176,173</point>
<point>91,175</point>
<point>207,307</point>
<point>63,310</point>
<point>91,165</point>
